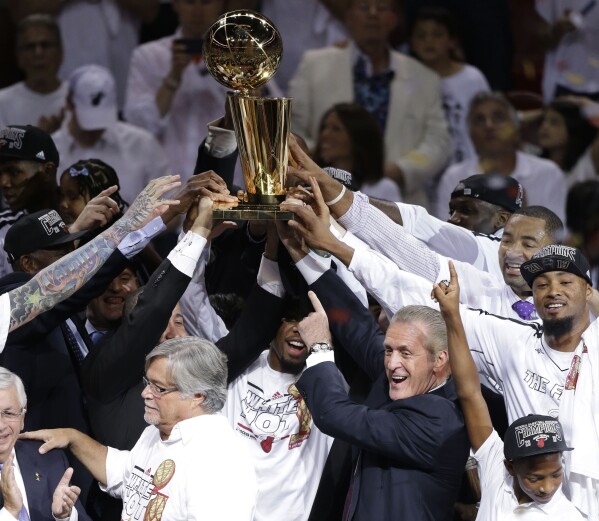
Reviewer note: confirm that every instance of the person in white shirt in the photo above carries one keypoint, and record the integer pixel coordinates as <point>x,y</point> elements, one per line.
<point>169,90</point>
<point>434,41</point>
<point>32,486</point>
<point>188,463</point>
<point>521,476</point>
<point>93,131</point>
<point>40,98</point>
<point>493,126</point>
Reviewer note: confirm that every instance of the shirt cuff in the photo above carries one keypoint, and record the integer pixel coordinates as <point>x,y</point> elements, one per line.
<point>269,277</point>
<point>136,241</point>
<point>73,517</point>
<point>220,142</point>
<point>312,269</point>
<point>186,254</point>
<point>319,357</point>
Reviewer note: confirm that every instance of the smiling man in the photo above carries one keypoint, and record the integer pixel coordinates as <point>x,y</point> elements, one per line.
<point>408,438</point>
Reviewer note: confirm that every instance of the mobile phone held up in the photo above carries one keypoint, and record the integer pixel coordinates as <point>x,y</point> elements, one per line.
<point>192,45</point>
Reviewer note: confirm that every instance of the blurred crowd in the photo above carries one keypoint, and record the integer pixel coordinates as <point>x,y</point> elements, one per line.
<point>427,304</point>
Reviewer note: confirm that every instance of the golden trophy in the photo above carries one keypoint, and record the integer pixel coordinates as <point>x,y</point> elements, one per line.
<point>242,51</point>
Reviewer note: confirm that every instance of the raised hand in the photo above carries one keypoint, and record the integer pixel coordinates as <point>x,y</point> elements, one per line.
<point>448,293</point>
<point>208,184</point>
<point>97,212</point>
<point>313,225</point>
<point>13,499</point>
<point>52,438</point>
<point>65,496</point>
<point>148,204</point>
<point>315,327</point>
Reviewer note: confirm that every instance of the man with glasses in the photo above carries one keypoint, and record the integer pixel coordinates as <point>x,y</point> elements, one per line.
<point>38,99</point>
<point>401,93</point>
<point>32,486</point>
<point>188,464</point>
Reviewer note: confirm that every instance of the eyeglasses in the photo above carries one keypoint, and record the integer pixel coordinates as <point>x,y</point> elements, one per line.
<point>12,416</point>
<point>156,390</point>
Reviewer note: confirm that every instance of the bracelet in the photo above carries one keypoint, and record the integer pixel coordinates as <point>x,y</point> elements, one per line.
<point>171,83</point>
<point>338,198</point>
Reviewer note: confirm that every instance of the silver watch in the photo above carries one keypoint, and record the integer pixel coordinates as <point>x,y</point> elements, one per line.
<point>320,347</point>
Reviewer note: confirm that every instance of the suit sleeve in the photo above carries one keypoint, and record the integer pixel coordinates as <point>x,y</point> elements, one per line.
<point>409,435</point>
<point>351,324</point>
<point>223,166</point>
<point>301,91</point>
<point>118,363</point>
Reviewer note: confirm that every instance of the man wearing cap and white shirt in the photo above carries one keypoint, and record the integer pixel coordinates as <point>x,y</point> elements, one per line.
<point>480,206</point>
<point>93,131</point>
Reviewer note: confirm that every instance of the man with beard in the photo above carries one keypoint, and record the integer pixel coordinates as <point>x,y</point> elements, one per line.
<point>539,368</point>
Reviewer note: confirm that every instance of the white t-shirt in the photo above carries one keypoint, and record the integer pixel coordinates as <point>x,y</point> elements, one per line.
<point>456,92</point>
<point>498,500</point>
<point>133,152</point>
<point>21,106</point>
<point>201,472</point>
<point>289,453</point>
<point>543,182</point>
<point>574,63</point>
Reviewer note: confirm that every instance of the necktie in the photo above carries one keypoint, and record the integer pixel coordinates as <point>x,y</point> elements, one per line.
<point>23,514</point>
<point>96,336</point>
<point>72,344</point>
<point>523,308</point>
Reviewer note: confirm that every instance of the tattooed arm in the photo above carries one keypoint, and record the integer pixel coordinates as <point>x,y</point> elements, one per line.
<point>61,279</point>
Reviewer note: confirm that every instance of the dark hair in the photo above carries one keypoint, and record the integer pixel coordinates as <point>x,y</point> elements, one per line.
<point>440,16</point>
<point>553,224</point>
<point>366,139</point>
<point>93,176</point>
<point>228,306</point>
<point>580,132</point>
<point>37,20</point>
<point>582,208</point>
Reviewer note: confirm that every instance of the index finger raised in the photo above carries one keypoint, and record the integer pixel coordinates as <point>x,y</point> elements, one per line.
<point>315,302</point>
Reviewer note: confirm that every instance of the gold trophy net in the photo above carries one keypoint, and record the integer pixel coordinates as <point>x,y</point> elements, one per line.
<point>243,51</point>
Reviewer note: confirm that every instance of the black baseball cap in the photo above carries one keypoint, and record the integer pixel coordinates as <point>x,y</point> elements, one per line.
<point>499,189</point>
<point>37,231</point>
<point>27,143</point>
<point>533,435</point>
<point>556,257</point>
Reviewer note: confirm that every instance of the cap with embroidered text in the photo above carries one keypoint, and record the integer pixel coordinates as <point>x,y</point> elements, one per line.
<point>533,435</point>
<point>93,94</point>
<point>37,231</point>
<point>501,190</point>
<point>27,143</point>
<point>556,257</point>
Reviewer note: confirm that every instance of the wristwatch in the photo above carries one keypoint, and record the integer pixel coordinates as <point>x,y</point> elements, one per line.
<point>320,347</point>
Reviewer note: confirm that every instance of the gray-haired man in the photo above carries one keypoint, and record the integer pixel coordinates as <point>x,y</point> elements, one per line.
<point>188,460</point>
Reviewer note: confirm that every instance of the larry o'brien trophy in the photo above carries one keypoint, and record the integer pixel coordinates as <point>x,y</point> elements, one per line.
<point>242,51</point>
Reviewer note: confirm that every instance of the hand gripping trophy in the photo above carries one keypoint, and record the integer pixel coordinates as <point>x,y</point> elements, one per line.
<point>243,50</point>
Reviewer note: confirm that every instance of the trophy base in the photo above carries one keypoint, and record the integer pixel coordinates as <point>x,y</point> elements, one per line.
<point>252,212</point>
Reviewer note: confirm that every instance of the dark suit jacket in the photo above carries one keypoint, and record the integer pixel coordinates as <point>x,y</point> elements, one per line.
<point>41,474</point>
<point>408,454</point>
<point>38,353</point>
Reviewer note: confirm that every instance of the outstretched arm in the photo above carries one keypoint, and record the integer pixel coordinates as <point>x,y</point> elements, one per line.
<point>87,450</point>
<point>61,279</point>
<point>463,369</point>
